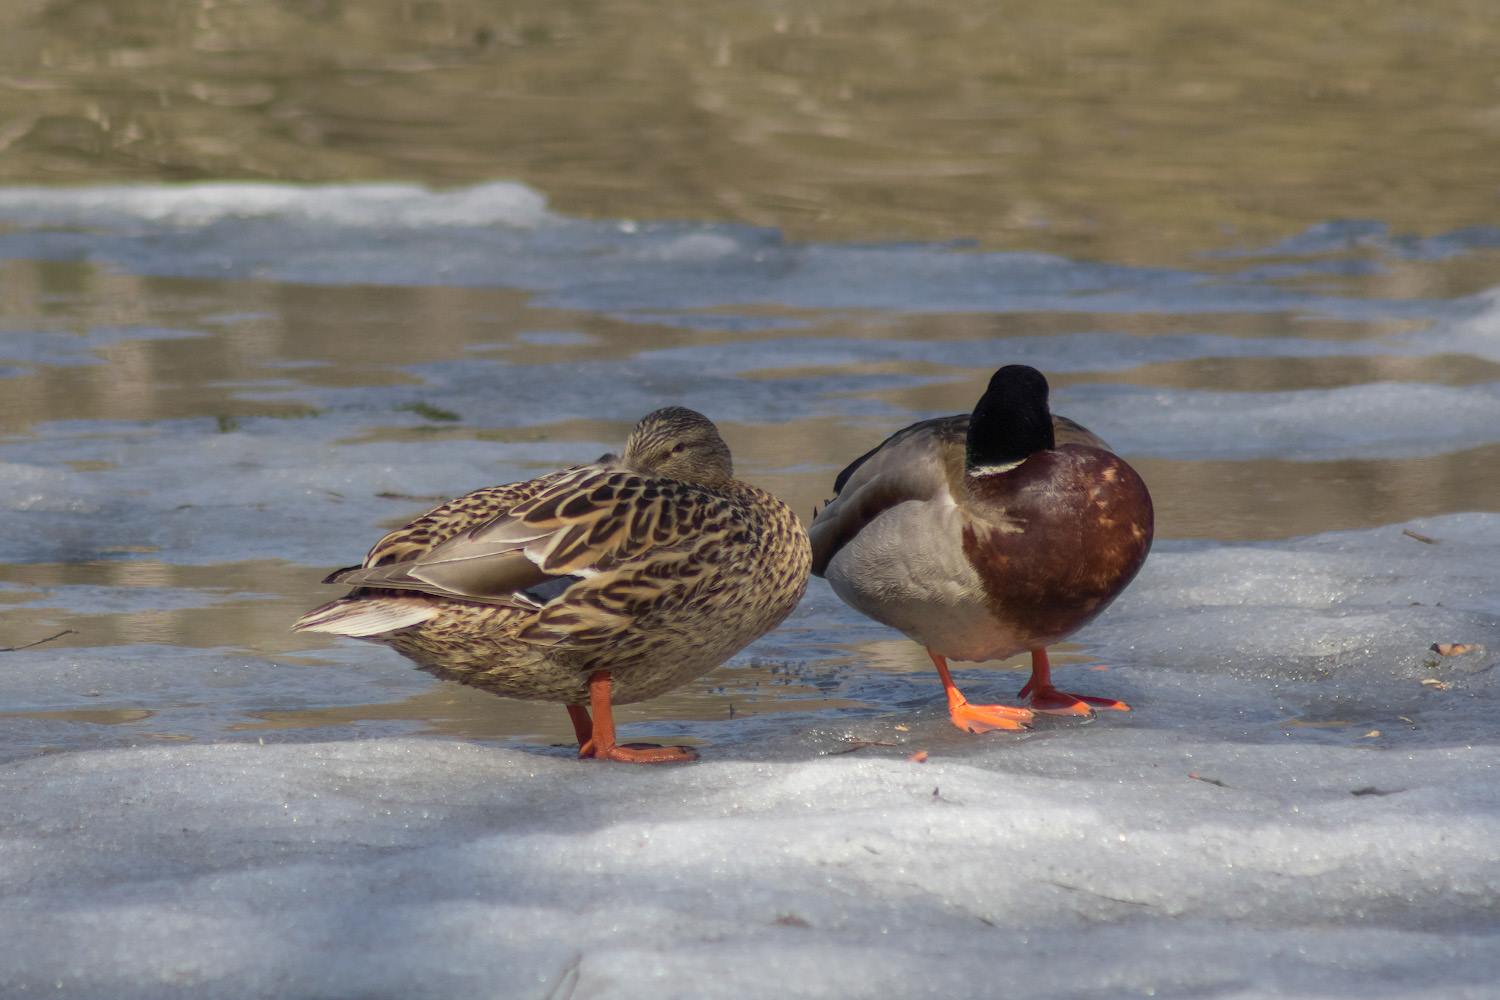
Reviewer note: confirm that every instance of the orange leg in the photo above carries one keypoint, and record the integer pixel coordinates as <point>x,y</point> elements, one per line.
<point>977,718</point>
<point>601,744</point>
<point>582,727</point>
<point>1042,696</point>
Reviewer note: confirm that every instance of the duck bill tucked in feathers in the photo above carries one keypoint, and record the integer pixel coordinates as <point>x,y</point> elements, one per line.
<point>598,585</point>
<point>984,535</point>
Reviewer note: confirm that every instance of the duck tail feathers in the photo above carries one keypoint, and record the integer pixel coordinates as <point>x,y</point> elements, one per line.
<point>365,617</point>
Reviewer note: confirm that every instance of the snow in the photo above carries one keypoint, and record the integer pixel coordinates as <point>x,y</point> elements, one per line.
<point>1303,802</point>
<point>400,867</point>
<point>1083,863</point>
<point>343,205</point>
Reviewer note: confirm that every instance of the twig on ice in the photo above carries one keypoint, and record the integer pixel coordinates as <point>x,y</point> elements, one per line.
<point>1207,781</point>
<point>16,649</point>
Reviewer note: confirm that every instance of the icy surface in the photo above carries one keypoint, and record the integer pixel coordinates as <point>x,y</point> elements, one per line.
<point>351,206</point>
<point>502,235</point>
<point>413,869</point>
<point>1303,802</point>
<point>1285,813</point>
<point>1373,420</point>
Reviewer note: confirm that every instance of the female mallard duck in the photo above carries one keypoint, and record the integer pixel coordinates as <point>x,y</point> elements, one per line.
<point>602,584</point>
<point>981,536</point>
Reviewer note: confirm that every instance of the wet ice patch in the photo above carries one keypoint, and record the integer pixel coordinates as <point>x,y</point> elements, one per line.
<point>192,495</point>
<point>64,349</point>
<point>1337,626</point>
<point>323,235</point>
<point>1375,420</point>
<point>1347,235</point>
<point>492,393</point>
<point>1101,351</point>
<point>98,599</point>
<point>190,206</point>
<point>35,487</point>
<point>134,695</point>
<point>196,492</point>
<point>552,338</point>
<point>1201,844</point>
<point>1473,330</point>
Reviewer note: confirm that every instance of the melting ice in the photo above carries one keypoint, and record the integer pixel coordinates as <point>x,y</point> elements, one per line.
<point>1303,802</point>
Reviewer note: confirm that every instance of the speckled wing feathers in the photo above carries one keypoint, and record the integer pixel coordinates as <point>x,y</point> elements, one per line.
<point>455,516</point>
<point>640,546</point>
<point>528,588</point>
<point>585,522</point>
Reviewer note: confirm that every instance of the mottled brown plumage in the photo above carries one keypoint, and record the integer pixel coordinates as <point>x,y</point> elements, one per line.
<point>652,568</point>
<point>984,535</point>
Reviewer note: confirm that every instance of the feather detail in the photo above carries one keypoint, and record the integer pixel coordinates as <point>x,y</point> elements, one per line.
<point>982,535</point>
<point>923,462</point>
<point>362,619</point>
<point>616,565</point>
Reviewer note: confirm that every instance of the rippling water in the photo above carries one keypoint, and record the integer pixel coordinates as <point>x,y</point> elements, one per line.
<point>1115,133</point>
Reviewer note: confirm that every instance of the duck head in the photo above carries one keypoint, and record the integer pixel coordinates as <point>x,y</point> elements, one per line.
<point>1010,422</point>
<point>679,443</point>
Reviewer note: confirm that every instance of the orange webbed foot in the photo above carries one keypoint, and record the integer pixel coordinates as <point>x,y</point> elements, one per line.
<point>989,718</point>
<point>1044,697</point>
<point>642,753</point>
<point>1051,701</point>
<point>596,737</point>
<point>978,718</point>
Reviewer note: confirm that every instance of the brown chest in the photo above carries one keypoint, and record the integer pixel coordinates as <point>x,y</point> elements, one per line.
<point>1072,529</point>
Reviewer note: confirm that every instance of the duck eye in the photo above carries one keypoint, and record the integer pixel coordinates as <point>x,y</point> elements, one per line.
<point>679,448</point>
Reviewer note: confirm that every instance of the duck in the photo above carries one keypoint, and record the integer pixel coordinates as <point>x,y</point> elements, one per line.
<point>988,534</point>
<point>594,586</point>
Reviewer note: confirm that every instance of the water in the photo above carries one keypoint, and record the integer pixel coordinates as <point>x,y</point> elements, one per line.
<point>430,247</point>
<point>1101,132</point>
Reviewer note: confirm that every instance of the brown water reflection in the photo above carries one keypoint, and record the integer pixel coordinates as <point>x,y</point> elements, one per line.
<point>754,688</point>
<point>278,592</point>
<point>1136,132</point>
<point>96,717</point>
<point>361,337</point>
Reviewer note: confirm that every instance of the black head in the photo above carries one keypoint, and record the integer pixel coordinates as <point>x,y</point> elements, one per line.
<point>1011,419</point>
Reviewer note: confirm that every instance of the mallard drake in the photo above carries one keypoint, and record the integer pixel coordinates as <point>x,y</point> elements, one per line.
<point>983,535</point>
<point>599,585</point>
